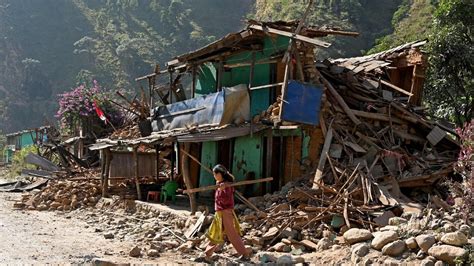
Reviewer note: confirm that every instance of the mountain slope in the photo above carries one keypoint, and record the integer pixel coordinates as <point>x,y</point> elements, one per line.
<point>412,21</point>
<point>49,46</point>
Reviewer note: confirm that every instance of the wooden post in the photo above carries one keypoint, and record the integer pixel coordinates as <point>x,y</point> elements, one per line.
<point>322,160</point>
<point>102,167</point>
<point>283,89</point>
<point>135,166</point>
<point>220,73</point>
<point>105,183</point>
<point>186,176</point>
<point>193,88</point>
<point>171,89</point>
<point>252,69</point>
<point>157,162</point>
<point>269,156</point>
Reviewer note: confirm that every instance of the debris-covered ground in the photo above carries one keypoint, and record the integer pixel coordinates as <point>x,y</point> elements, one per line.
<point>39,237</point>
<point>120,230</point>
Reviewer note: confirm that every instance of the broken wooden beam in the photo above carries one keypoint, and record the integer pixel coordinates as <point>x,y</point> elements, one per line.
<point>390,85</point>
<point>322,160</point>
<point>341,101</point>
<point>291,35</point>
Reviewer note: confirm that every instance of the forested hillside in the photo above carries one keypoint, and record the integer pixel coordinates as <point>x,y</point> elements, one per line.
<point>49,46</point>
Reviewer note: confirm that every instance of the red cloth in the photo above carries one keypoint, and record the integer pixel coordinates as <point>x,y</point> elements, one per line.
<point>224,198</point>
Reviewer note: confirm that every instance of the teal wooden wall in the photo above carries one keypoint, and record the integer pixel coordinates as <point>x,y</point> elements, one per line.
<point>27,139</point>
<point>248,157</point>
<point>206,80</point>
<point>209,159</point>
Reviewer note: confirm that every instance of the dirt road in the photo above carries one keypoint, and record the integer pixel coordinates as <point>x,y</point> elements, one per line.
<point>28,237</point>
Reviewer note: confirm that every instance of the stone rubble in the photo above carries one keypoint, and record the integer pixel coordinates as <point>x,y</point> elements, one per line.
<point>424,239</point>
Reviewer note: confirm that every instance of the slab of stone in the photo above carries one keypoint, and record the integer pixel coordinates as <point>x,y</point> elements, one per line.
<point>356,235</point>
<point>394,249</point>
<point>447,253</point>
<point>425,241</point>
<point>455,239</point>
<point>383,238</point>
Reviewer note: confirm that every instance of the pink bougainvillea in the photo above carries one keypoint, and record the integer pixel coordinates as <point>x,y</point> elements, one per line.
<point>78,104</point>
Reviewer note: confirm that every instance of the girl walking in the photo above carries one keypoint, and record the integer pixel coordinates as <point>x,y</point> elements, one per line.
<point>225,221</point>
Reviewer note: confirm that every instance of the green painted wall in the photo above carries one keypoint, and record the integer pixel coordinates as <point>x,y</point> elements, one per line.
<point>27,140</point>
<point>209,159</point>
<point>260,99</point>
<point>207,75</point>
<point>248,157</point>
<point>207,80</point>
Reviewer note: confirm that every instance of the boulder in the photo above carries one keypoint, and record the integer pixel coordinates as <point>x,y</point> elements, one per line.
<point>108,235</point>
<point>394,249</point>
<point>465,229</point>
<point>411,243</point>
<point>426,262</point>
<point>455,239</point>
<point>396,221</point>
<point>266,258</point>
<point>280,247</point>
<point>135,252</point>
<point>309,244</point>
<point>323,244</point>
<point>383,238</point>
<point>153,253</point>
<point>425,241</point>
<point>355,235</point>
<point>360,249</point>
<point>447,253</point>
<point>449,227</point>
<point>285,260</point>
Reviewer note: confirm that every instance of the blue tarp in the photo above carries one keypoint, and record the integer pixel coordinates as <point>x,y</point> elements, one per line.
<point>302,103</point>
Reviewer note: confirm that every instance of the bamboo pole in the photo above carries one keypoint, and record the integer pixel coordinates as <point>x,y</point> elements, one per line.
<point>235,184</point>
<point>186,176</point>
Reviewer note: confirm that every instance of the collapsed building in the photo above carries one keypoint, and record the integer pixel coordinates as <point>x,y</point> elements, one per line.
<point>261,104</point>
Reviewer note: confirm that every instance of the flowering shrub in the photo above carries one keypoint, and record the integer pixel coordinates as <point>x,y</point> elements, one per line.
<point>464,165</point>
<point>78,106</point>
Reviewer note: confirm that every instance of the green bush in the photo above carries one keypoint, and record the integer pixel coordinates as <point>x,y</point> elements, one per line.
<point>18,160</point>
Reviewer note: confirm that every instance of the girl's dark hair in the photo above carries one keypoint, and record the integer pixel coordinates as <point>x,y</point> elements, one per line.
<point>225,173</point>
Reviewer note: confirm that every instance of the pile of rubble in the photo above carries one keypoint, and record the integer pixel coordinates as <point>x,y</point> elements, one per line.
<point>62,196</point>
<point>426,238</point>
<point>130,131</point>
<point>432,237</point>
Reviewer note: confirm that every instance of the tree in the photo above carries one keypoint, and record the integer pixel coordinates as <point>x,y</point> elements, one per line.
<point>450,86</point>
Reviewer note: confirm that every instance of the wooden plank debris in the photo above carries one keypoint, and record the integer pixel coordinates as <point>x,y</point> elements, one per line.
<point>436,135</point>
<point>291,35</point>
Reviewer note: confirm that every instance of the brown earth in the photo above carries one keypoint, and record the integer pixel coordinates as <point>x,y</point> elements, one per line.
<point>32,237</point>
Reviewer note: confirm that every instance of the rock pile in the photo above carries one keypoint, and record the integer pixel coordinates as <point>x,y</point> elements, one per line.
<point>63,196</point>
<point>426,239</point>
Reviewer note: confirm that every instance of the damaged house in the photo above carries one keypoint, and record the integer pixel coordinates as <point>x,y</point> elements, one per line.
<point>262,105</point>
<point>21,139</point>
